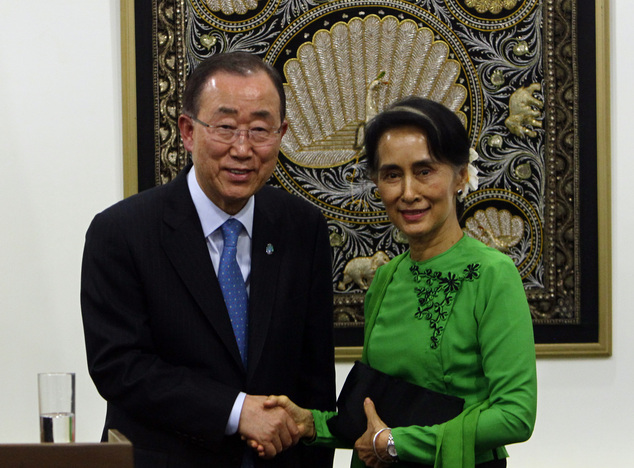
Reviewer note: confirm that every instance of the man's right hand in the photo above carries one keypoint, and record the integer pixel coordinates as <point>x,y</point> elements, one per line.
<point>271,427</point>
<point>302,417</point>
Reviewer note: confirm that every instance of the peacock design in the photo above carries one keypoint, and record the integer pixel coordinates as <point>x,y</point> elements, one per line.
<point>348,73</point>
<point>496,228</point>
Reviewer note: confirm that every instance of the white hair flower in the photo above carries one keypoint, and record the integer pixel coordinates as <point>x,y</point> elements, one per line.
<point>472,176</point>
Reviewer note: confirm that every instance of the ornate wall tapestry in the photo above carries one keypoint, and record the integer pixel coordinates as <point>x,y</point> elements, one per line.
<point>517,73</point>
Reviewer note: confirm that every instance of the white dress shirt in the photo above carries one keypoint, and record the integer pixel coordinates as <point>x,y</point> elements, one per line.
<point>211,219</point>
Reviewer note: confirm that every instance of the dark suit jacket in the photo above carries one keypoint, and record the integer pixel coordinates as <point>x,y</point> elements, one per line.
<point>159,341</point>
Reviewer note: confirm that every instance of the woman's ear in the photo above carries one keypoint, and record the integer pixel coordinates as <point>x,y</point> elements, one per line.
<point>462,179</point>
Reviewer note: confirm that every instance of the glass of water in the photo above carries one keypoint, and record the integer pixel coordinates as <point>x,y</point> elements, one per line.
<point>56,391</point>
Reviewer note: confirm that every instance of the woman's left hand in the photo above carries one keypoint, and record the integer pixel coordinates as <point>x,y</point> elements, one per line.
<point>363,445</point>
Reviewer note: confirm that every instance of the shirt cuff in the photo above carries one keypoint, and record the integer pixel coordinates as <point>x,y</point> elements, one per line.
<point>234,417</point>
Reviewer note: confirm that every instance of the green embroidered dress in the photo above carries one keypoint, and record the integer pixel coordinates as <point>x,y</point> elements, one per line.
<point>457,323</point>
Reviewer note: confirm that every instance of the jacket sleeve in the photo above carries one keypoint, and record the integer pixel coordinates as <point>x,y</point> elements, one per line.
<point>124,360</point>
<point>318,372</point>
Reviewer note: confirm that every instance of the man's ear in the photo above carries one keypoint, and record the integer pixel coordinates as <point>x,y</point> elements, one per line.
<point>284,128</point>
<point>186,128</point>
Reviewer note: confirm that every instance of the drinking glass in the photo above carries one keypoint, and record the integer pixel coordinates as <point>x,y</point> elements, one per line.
<point>56,391</point>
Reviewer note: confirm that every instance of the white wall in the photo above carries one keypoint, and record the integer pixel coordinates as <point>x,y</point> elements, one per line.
<point>60,119</point>
<point>60,150</point>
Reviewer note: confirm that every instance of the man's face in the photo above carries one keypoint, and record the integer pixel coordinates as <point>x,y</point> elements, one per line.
<point>230,174</point>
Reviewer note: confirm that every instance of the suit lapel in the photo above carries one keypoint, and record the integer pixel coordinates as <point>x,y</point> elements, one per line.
<point>184,243</point>
<point>266,254</point>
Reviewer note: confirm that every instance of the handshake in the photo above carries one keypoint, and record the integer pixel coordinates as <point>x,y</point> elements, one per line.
<point>272,424</point>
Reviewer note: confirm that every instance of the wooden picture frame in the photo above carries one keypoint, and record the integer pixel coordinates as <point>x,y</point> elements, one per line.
<point>147,43</point>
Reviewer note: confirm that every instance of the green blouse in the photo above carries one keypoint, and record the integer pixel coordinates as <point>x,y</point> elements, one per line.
<point>458,323</point>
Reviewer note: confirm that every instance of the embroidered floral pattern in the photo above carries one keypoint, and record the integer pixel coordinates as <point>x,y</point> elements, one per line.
<point>436,294</point>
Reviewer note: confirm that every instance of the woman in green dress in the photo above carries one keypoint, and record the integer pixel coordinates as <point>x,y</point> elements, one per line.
<point>450,314</point>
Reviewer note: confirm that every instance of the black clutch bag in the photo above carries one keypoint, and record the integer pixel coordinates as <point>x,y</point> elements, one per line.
<point>398,403</point>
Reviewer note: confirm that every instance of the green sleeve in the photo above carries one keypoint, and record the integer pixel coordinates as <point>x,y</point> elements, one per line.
<point>325,438</point>
<point>508,360</point>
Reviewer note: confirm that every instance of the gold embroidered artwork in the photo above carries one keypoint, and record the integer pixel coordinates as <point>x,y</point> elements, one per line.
<point>491,6</point>
<point>232,6</point>
<point>496,228</point>
<point>361,270</point>
<point>328,91</point>
<point>507,68</point>
<point>525,111</point>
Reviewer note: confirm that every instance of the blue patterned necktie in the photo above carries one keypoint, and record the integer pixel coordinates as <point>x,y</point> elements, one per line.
<point>232,284</point>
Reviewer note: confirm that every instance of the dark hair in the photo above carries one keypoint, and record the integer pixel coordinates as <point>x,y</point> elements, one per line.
<point>238,63</point>
<point>447,138</point>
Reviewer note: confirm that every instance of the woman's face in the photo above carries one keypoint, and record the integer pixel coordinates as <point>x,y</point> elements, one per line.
<point>418,191</point>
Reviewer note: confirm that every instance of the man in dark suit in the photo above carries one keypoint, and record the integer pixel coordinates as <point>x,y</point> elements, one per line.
<point>160,336</point>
